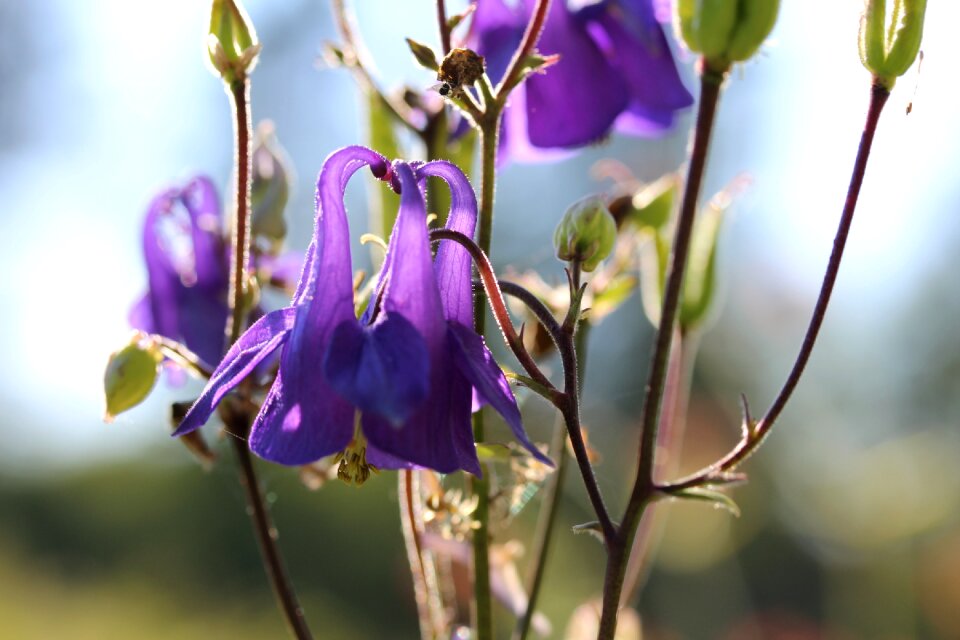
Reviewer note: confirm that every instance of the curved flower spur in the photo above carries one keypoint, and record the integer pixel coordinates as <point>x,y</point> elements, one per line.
<point>393,389</point>
<point>186,269</point>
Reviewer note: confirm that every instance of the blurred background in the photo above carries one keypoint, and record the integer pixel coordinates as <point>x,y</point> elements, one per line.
<point>850,524</point>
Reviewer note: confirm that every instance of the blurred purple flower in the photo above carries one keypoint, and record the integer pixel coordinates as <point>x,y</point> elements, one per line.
<point>615,71</point>
<point>186,270</point>
<point>408,366</point>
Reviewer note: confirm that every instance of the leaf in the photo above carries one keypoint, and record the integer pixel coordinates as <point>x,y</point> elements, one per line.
<point>493,452</point>
<point>612,296</point>
<point>717,498</point>
<point>425,56</point>
<point>592,528</point>
<point>653,205</point>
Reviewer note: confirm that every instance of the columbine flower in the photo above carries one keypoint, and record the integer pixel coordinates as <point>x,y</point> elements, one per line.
<point>615,71</point>
<point>186,270</point>
<point>393,389</point>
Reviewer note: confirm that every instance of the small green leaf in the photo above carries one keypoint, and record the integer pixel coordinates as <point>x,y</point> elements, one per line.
<point>454,21</point>
<point>653,205</point>
<point>699,282</point>
<point>493,452</point>
<point>613,295</point>
<point>717,498</point>
<point>592,528</point>
<point>270,190</point>
<point>130,375</point>
<point>425,56</point>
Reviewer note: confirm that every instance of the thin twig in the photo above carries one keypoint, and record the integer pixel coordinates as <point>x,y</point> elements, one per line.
<point>444,26</point>
<point>353,51</point>
<point>530,38</point>
<point>878,98</point>
<point>643,487</point>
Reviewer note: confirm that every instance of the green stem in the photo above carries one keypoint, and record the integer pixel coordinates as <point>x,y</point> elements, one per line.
<point>483,610</point>
<point>551,503</point>
<point>644,487</point>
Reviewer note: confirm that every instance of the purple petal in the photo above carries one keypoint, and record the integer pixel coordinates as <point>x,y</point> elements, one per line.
<point>476,363</point>
<point>282,270</point>
<point>577,100</point>
<point>254,345</point>
<point>453,265</point>
<point>199,197</point>
<point>638,49</point>
<point>287,431</point>
<point>303,418</point>
<point>384,368</point>
<point>495,33</point>
<point>162,278</point>
<point>438,436</point>
<point>411,286</point>
<point>140,315</point>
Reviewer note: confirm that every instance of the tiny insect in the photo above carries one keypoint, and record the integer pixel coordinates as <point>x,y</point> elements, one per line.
<point>461,67</point>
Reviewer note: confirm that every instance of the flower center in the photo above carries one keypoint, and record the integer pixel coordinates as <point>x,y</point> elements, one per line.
<point>354,468</point>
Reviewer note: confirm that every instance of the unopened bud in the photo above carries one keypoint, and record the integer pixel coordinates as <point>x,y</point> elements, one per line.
<point>586,233</point>
<point>725,31</point>
<point>232,41</point>
<point>888,47</point>
<point>131,374</point>
<point>270,190</point>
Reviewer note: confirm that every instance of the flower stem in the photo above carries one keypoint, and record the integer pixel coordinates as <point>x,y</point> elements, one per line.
<point>878,98</point>
<point>444,26</point>
<point>266,535</point>
<point>239,425</point>
<point>240,240</point>
<point>551,505</point>
<point>483,611</point>
<point>426,590</point>
<point>644,487</point>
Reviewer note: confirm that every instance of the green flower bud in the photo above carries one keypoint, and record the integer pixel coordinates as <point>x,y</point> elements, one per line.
<point>271,187</point>
<point>586,233</point>
<point>889,47</point>
<point>232,42</point>
<point>131,374</point>
<point>725,31</point>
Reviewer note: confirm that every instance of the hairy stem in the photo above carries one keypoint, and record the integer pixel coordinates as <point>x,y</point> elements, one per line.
<point>643,488</point>
<point>239,425</point>
<point>240,240</point>
<point>551,506</point>
<point>444,26</point>
<point>426,591</point>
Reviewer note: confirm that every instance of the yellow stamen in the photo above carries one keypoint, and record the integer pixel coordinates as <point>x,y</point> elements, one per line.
<point>354,468</point>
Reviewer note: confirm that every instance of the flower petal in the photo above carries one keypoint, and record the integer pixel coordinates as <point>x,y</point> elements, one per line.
<point>476,363</point>
<point>438,436</point>
<point>411,286</point>
<point>258,342</point>
<point>453,264</point>
<point>199,198</point>
<point>303,418</point>
<point>384,369</point>
<point>638,48</point>
<point>578,99</point>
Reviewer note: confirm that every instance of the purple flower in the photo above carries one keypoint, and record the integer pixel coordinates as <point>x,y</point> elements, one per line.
<point>394,388</point>
<point>186,270</point>
<point>615,71</point>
